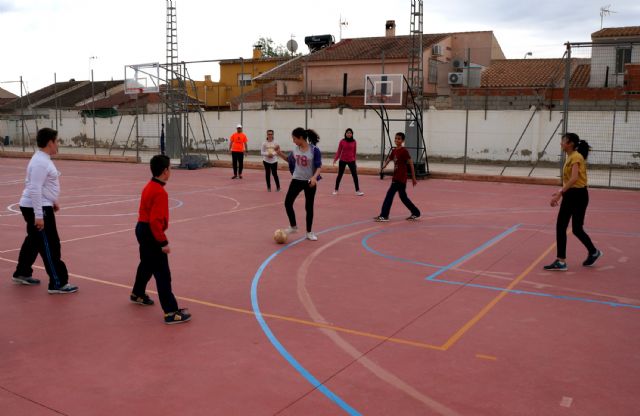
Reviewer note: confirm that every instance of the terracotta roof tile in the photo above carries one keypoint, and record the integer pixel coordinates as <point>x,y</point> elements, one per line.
<point>396,47</point>
<point>514,73</point>
<point>580,76</point>
<point>71,98</point>
<point>617,32</point>
<point>290,70</point>
<point>6,94</point>
<point>40,94</point>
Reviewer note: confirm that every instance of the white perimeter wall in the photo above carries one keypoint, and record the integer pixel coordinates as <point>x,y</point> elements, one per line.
<point>492,138</point>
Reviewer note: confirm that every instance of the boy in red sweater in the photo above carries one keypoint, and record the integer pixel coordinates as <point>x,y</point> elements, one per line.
<point>401,159</point>
<point>153,221</point>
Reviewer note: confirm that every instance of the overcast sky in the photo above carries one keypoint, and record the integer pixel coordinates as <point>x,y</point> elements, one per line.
<point>42,37</point>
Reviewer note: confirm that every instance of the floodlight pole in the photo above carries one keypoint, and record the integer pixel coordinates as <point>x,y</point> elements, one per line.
<point>22,116</point>
<point>93,110</point>
<point>242,91</point>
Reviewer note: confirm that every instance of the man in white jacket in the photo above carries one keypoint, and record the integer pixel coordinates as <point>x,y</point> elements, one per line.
<point>38,203</point>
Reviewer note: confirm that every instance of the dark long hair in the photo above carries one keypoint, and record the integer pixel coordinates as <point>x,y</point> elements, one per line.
<point>308,135</point>
<point>581,146</point>
<point>347,138</point>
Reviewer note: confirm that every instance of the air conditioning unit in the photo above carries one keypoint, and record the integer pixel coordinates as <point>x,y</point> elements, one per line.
<point>456,78</point>
<point>436,50</point>
<point>457,63</point>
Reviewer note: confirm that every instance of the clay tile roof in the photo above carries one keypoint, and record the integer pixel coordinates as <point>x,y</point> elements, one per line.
<point>529,73</point>
<point>290,70</point>
<point>6,94</point>
<point>396,47</point>
<point>41,94</point>
<point>617,32</point>
<point>580,76</point>
<point>69,99</point>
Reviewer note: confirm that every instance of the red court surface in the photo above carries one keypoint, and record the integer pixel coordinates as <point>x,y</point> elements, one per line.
<point>450,315</point>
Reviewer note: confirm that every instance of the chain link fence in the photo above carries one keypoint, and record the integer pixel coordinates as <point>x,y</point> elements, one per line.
<point>602,105</point>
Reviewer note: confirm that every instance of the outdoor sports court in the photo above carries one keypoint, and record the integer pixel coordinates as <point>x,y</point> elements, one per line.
<point>450,315</point>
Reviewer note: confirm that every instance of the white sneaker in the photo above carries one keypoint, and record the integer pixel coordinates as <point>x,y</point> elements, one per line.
<point>312,236</point>
<point>291,230</point>
<point>334,193</point>
<point>359,193</point>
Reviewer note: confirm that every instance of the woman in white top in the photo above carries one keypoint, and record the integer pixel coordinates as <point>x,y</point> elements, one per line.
<point>270,160</point>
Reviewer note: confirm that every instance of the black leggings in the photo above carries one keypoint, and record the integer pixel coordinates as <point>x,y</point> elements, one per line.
<point>237,160</point>
<point>354,173</point>
<point>573,207</point>
<point>271,169</point>
<point>295,187</point>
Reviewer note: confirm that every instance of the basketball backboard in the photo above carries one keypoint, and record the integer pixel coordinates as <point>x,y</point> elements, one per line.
<point>383,89</point>
<point>142,78</point>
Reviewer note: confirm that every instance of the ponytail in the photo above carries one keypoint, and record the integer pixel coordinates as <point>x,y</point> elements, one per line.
<point>312,137</point>
<point>308,135</point>
<point>581,146</point>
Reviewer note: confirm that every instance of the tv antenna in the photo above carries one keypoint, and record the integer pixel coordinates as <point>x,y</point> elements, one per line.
<point>292,45</point>
<point>343,22</point>
<point>605,11</point>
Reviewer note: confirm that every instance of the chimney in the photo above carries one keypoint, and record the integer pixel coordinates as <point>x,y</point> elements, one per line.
<point>390,28</point>
<point>257,52</point>
<point>207,79</point>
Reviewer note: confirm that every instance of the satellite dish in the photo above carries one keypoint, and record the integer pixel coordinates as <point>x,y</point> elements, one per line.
<point>292,46</point>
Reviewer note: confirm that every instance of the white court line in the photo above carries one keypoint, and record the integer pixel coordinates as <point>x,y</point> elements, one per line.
<point>172,222</point>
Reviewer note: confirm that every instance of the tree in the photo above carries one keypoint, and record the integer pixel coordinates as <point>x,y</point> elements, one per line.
<point>268,48</point>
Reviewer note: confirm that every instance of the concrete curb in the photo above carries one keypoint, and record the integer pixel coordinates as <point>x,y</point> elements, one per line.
<point>433,175</point>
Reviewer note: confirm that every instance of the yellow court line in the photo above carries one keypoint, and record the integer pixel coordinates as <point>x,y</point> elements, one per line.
<point>460,332</point>
<point>486,357</point>
<point>267,315</point>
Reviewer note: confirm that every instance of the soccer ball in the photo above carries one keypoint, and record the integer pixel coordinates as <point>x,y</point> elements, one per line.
<point>280,236</point>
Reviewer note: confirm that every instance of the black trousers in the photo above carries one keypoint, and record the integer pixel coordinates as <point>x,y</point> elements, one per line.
<point>295,187</point>
<point>153,262</point>
<point>237,160</point>
<point>271,169</point>
<point>573,207</point>
<point>401,189</point>
<point>354,173</point>
<point>47,244</point>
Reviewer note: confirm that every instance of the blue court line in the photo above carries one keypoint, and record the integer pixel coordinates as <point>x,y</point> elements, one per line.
<point>394,258</point>
<point>473,252</point>
<point>274,340</point>
<point>432,278</point>
<point>541,294</point>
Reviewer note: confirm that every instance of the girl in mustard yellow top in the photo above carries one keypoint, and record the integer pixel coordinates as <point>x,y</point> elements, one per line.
<point>575,199</point>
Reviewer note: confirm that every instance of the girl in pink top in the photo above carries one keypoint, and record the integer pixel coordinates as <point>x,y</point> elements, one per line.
<point>347,155</point>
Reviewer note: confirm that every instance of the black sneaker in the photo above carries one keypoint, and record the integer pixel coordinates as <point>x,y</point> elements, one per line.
<point>177,317</point>
<point>381,219</point>
<point>557,266</point>
<point>141,300</point>
<point>234,177</point>
<point>68,288</point>
<point>413,217</point>
<point>591,259</point>
<point>25,280</point>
